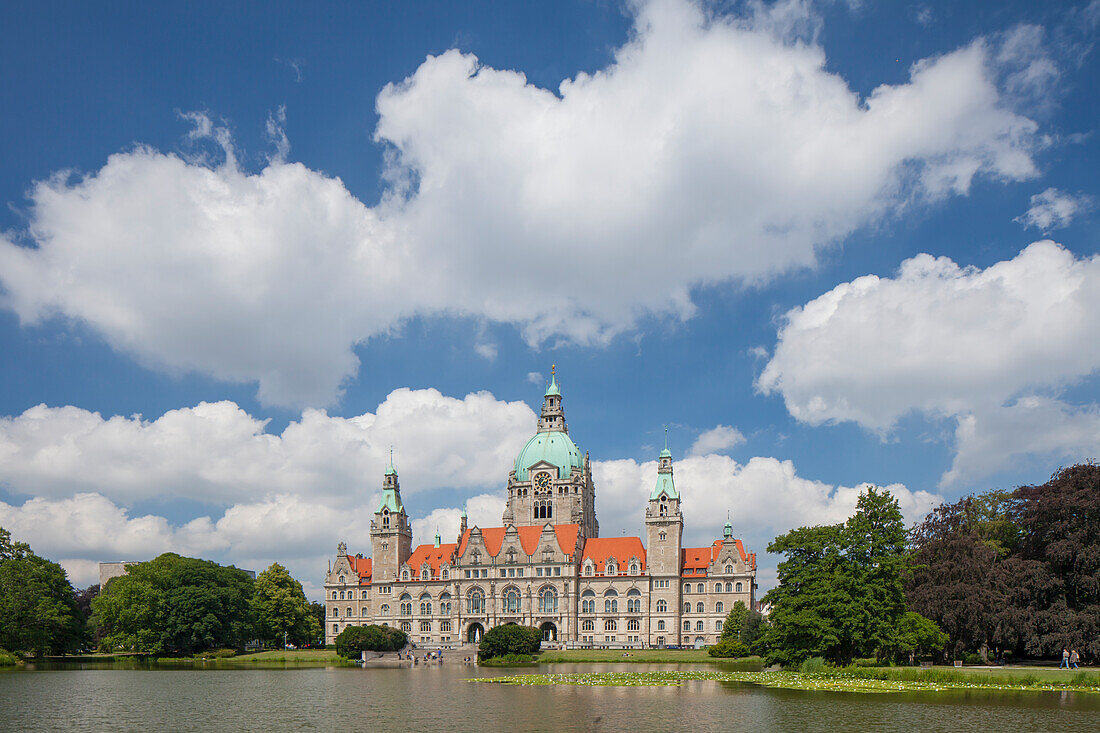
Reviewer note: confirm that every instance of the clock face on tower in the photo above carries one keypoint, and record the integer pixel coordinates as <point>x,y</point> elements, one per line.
<point>542,482</point>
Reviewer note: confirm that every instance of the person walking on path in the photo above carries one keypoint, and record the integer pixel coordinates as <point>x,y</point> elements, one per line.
<point>1065,659</point>
<point>1074,657</point>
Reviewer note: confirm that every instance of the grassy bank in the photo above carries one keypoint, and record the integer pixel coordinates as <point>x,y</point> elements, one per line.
<point>647,656</point>
<point>274,656</point>
<point>863,680</point>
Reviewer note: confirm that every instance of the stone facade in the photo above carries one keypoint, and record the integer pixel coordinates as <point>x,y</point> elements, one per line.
<point>547,566</point>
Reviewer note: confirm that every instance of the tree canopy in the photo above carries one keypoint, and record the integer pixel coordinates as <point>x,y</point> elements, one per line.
<point>508,639</point>
<point>354,640</point>
<point>280,609</point>
<point>38,609</point>
<point>841,587</point>
<point>175,605</point>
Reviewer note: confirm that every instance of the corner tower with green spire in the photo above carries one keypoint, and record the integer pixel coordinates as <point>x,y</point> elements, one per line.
<point>390,531</point>
<point>551,481</point>
<point>664,528</point>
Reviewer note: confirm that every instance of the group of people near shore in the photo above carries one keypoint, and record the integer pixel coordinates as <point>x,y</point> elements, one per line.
<point>1070,658</point>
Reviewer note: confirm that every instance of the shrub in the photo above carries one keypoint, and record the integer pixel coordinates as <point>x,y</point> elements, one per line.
<point>509,660</point>
<point>7,659</point>
<point>728,648</point>
<point>867,662</point>
<point>501,641</point>
<point>812,665</point>
<point>354,640</point>
<point>973,659</point>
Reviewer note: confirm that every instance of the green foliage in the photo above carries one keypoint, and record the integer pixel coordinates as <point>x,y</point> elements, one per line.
<point>735,621</point>
<point>508,660</point>
<point>354,640</point>
<point>917,637</point>
<point>501,641</point>
<point>280,609</point>
<point>7,659</point>
<point>728,648</point>
<point>1014,572</point>
<point>38,610</point>
<point>840,592</point>
<point>217,654</point>
<point>813,665</point>
<point>175,605</point>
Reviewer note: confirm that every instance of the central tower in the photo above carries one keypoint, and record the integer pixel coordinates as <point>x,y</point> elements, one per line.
<point>551,482</point>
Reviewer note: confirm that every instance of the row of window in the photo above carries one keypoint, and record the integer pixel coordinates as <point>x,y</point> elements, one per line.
<point>610,568</point>
<point>547,604</point>
<point>702,588</point>
<point>351,594</point>
<point>700,607</point>
<point>611,605</point>
<point>613,625</point>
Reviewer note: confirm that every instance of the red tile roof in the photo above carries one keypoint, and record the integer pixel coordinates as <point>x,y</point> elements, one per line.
<point>361,565</point>
<point>434,556</point>
<point>694,560</point>
<point>528,538</point>
<point>600,549</point>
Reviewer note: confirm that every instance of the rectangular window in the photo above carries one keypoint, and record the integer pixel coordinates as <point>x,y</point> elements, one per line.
<point>485,573</point>
<point>511,572</point>
<point>503,573</point>
<point>557,571</point>
<point>467,573</point>
<point>538,572</point>
<point>520,573</point>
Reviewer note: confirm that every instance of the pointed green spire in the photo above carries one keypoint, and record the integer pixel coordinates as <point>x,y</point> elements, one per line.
<point>728,533</point>
<point>552,390</point>
<point>438,539</point>
<point>666,453</point>
<point>390,470</point>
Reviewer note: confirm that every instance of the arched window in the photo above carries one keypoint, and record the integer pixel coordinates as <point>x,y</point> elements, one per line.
<point>663,535</point>
<point>687,626</point>
<point>335,611</point>
<point>701,588</point>
<point>425,627</point>
<point>385,517</point>
<point>511,601</point>
<point>738,587</point>
<point>341,595</point>
<point>424,574</point>
<point>426,608</point>
<point>729,570</point>
<point>729,587</point>
<point>364,611</point>
<point>610,605</point>
<point>633,568</point>
<point>343,579</point>
<point>335,628</point>
<point>406,609</point>
<point>687,587</point>
<point>719,607</point>
<point>610,568</point>
<point>717,587</point>
<point>404,575</point>
<point>385,611</point>
<point>633,625</point>
<point>662,606</point>
<point>610,625</point>
<point>633,601</point>
<point>364,595</point>
<point>446,574</point>
<point>661,625</point>
<point>717,625</point>
<point>350,612</point>
<point>334,595</point>
<point>445,604</point>
<point>698,625</point>
<point>687,608</point>
<point>588,625</point>
<point>548,601</point>
<point>475,602</point>
<point>588,570</point>
<point>699,607</point>
<point>588,606</point>
<point>407,627</point>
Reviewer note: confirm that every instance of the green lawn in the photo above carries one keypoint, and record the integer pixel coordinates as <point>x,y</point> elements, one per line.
<point>287,655</point>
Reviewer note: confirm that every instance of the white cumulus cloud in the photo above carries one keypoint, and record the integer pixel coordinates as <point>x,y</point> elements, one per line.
<point>717,439</point>
<point>1054,209</point>
<point>985,347</point>
<point>713,148</point>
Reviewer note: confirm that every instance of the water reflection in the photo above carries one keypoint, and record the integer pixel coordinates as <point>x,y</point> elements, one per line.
<point>140,696</point>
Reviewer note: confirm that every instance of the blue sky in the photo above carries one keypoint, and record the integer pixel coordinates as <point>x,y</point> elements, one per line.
<point>246,250</point>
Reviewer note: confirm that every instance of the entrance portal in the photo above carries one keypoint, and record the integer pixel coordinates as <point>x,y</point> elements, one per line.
<point>549,632</point>
<point>474,632</point>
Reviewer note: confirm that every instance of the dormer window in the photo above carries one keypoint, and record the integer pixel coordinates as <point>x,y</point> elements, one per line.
<point>663,535</point>
<point>404,575</point>
<point>343,579</point>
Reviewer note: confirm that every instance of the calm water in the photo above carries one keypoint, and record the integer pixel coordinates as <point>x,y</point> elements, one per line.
<point>437,699</point>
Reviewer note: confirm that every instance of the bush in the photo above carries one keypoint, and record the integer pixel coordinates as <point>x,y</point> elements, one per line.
<point>812,665</point>
<point>973,659</point>
<point>728,648</point>
<point>868,662</point>
<point>7,659</point>
<point>354,640</point>
<point>501,641</point>
<point>216,654</point>
<point>509,660</point>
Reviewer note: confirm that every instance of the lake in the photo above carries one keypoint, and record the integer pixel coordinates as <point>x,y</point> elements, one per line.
<point>289,698</point>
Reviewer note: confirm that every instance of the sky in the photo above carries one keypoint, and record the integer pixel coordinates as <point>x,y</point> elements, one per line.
<point>246,250</point>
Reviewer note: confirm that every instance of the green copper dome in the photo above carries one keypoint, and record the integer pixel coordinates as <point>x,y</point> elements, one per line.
<point>554,447</point>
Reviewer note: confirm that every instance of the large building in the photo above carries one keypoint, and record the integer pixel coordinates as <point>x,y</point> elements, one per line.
<point>547,566</point>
